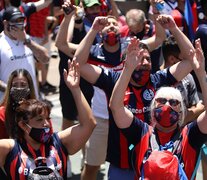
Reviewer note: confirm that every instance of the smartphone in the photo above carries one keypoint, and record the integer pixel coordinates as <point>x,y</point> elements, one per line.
<point>75,2</point>
<point>67,10</point>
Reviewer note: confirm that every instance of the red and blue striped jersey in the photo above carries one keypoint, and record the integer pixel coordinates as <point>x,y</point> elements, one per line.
<point>138,134</point>
<point>20,160</point>
<point>137,100</point>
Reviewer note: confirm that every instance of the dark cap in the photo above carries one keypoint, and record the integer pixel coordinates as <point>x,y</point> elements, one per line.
<point>12,13</point>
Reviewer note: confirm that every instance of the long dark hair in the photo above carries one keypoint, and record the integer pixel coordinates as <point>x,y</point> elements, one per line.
<point>8,102</point>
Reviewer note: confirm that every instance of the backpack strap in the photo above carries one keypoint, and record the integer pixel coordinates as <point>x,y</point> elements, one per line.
<point>203,148</point>
<point>170,146</point>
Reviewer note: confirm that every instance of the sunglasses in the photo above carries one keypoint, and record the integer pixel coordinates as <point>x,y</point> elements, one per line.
<point>172,102</point>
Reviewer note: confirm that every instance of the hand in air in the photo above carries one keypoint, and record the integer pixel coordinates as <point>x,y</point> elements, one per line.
<point>72,76</point>
<point>134,54</point>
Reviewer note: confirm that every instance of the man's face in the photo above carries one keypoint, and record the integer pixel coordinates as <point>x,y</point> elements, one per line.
<point>112,25</point>
<point>146,61</point>
<point>95,9</point>
<point>18,23</point>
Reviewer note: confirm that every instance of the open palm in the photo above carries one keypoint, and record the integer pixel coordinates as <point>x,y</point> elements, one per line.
<point>72,76</point>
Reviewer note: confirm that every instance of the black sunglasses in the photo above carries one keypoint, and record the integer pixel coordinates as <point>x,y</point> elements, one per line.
<point>172,102</point>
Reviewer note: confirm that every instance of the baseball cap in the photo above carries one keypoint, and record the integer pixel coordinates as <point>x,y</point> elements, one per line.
<point>12,14</point>
<point>89,3</point>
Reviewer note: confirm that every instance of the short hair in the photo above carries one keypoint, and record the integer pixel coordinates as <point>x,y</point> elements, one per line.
<point>170,48</point>
<point>111,16</point>
<point>135,16</point>
<point>173,93</point>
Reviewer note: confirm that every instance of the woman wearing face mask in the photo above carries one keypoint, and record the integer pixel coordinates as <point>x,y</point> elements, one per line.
<point>20,86</point>
<point>35,152</point>
<point>167,114</point>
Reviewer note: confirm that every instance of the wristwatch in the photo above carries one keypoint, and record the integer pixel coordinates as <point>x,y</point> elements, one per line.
<point>27,40</point>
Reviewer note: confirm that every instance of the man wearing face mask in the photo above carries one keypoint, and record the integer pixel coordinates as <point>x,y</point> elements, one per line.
<point>26,8</point>
<point>139,93</point>
<point>18,50</point>
<point>137,25</point>
<point>108,55</point>
<point>142,28</point>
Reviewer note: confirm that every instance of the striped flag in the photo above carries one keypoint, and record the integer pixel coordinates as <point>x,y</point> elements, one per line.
<point>190,14</point>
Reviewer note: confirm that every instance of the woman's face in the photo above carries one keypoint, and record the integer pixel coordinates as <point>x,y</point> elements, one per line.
<point>40,121</point>
<point>20,82</point>
<point>168,100</point>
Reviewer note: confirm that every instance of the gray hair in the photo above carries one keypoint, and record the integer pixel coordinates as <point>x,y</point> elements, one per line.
<point>135,16</point>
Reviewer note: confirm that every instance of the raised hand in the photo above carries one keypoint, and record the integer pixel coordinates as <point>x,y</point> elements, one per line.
<point>72,77</point>
<point>166,21</point>
<point>198,59</point>
<point>68,8</point>
<point>99,23</point>
<point>134,54</point>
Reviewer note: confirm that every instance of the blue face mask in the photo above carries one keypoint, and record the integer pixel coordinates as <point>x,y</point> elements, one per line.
<point>166,116</point>
<point>41,135</point>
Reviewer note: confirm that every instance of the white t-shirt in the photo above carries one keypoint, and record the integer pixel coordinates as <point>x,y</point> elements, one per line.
<point>15,55</point>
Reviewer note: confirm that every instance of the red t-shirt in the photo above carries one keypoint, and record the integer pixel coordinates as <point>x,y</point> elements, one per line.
<point>36,22</point>
<point>3,132</point>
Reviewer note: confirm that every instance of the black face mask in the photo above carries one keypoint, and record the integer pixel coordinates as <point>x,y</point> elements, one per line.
<point>41,135</point>
<point>19,94</point>
<point>139,35</point>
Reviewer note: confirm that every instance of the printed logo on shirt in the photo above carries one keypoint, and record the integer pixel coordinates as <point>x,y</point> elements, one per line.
<point>101,57</point>
<point>138,111</point>
<point>148,94</point>
<point>127,93</point>
<point>12,58</point>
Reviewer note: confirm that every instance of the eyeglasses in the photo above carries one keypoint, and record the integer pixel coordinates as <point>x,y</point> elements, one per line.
<point>172,102</point>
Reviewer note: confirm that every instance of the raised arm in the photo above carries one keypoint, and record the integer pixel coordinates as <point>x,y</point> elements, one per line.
<point>160,34</point>
<point>41,4</point>
<point>181,69</point>
<point>75,137</point>
<point>198,63</point>
<point>6,146</point>
<point>122,116</point>
<point>89,72</point>
<point>65,33</point>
